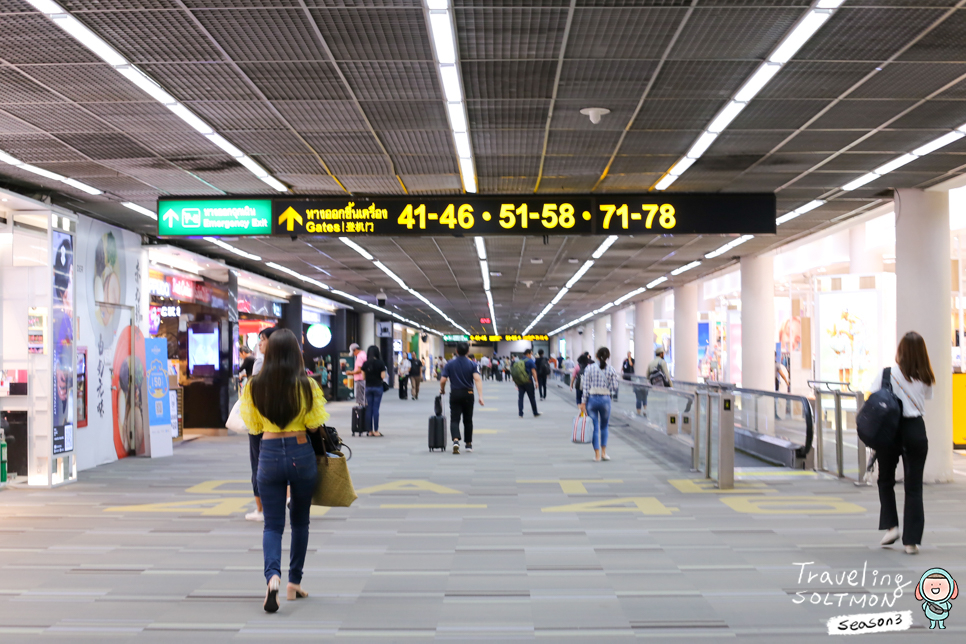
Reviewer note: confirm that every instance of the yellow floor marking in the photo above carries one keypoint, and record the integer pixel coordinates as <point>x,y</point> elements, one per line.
<point>642,504</point>
<point>487,431</point>
<point>774,472</point>
<point>429,506</point>
<point>205,507</point>
<point>318,510</point>
<point>707,486</point>
<point>214,487</point>
<point>791,505</point>
<point>408,486</point>
<point>571,486</point>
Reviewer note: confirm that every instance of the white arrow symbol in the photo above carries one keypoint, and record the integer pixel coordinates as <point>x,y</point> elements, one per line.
<point>170,216</point>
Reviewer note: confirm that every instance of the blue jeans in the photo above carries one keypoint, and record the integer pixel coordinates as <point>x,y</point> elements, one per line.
<point>373,400</point>
<point>598,405</point>
<point>284,463</point>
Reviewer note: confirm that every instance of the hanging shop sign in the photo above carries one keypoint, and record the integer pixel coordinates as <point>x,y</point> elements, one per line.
<point>318,335</point>
<point>606,214</point>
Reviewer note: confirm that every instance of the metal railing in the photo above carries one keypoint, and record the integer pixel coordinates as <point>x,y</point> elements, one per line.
<point>834,452</point>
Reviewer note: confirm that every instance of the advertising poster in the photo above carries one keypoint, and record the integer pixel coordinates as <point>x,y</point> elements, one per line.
<point>62,344</point>
<point>159,404</point>
<point>129,393</point>
<point>848,336</point>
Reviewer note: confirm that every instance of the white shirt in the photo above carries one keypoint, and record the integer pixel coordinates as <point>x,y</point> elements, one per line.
<point>485,361</point>
<point>912,393</point>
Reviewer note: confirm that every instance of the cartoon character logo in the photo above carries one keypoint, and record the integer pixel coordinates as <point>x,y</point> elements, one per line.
<point>936,590</point>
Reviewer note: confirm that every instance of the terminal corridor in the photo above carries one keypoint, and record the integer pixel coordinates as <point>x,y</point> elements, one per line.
<point>525,538</point>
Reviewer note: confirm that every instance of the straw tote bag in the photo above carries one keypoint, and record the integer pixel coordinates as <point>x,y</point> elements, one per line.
<point>334,488</point>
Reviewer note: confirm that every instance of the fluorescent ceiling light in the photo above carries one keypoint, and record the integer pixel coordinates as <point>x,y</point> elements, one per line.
<point>727,115</point>
<point>861,181</point>
<point>559,295</point>
<point>356,247</point>
<point>304,278</point>
<point>457,116</point>
<point>451,83</point>
<point>44,173</point>
<point>895,164</point>
<point>724,249</point>
<point>83,187</point>
<point>804,30</point>
<point>468,170</point>
<point>232,249</point>
<point>147,85</point>
<point>607,243</point>
<point>701,145</point>
<point>941,142</point>
<point>683,164</point>
<point>660,280</point>
<point>604,308</point>
<point>801,210</point>
<point>665,182</point>
<point>225,145</point>
<point>6,158</point>
<point>462,145</point>
<point>89,39</point>
<point>685,268</point>
<point>275,183</point>
<point>480,247</point>
<point>396,278</point>
<point>196,123</point>
<point>580,273</point>
<point>757,81</point>
<point>829,4</point>
<point>252,166</point>
<point>442,30</point>
<point>139,209</point>
<point>437,4</point>
<point>486,275</point>
<point>633,293</point>
<point>46,6</point>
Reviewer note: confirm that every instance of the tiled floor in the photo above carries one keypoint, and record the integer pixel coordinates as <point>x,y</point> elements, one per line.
<point>526,538</point>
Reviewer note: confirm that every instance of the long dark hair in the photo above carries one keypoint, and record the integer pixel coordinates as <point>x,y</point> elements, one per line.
<point>281,389</point>
<point>602,354</point>
<point>913,359</point>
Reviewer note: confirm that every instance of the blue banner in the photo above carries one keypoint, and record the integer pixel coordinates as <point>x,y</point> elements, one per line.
<point>159,409</point>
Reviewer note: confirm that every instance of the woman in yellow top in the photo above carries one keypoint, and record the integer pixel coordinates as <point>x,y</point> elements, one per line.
<point>282,403</point>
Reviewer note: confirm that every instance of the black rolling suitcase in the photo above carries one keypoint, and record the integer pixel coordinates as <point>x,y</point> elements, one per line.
<point>358,420</point>
<point>437,427</point>
<point>499,375</point>
<point>403,388</point>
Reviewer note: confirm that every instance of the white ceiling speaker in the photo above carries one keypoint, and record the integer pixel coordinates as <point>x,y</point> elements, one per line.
<point>595,113</point>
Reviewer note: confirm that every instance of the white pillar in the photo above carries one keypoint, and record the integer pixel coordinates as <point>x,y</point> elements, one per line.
<point>860,259</point>
<point>367,329</point>
<point>923,283</point>
<point>600,335</point>
<point>643,335</point>
<point>758,335</point>
<point>685,350</point>
<point>620,341</point>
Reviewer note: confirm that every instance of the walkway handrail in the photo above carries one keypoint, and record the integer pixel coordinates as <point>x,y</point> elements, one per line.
<point>829,384</point>
<point>801,451</point>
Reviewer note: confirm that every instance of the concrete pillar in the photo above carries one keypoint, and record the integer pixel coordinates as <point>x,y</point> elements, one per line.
<point>367,329</point>
<point>620,340</point>
<point>600,334</point>
<point>685,342</point>
<point>758,334</point>
<point>923,283</point>
<point>862,260</point>
<point>643,335</point>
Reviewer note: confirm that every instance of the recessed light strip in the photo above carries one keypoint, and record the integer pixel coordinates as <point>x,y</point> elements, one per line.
<point>232,249</point>
<point>485,271</point>
<point>817,15</point>
<point>82,34</point>
<point>14,161</point>
<point>447,59</point>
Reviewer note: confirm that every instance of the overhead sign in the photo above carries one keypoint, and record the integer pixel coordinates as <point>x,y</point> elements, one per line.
<point>383,329</point>
<point>486,321</point>
<point>220,217</point>
<point>607,214</point>
<point>456,338</point>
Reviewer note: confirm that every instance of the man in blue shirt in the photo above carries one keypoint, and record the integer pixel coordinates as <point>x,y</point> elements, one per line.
<point>464,374</point>
<point>527,387</point>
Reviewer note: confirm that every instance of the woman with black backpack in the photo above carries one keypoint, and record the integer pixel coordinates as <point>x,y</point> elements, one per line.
<point>911,379</point>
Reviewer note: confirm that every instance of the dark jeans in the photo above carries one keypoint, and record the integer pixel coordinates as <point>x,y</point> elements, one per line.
<point>640,395</point>
<point>461,405</point>
<point>254,444</point>
<point>285,463</point>
<point>528,390</point>
<point>373,401</point>
<point>542,383</point>
<point>580,394</point>
<point>913,447</point>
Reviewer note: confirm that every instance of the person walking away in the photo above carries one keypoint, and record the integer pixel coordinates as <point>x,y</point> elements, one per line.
<point>415,375</point>
<point>464,375</point>
<point>358,376</point>
<point>599,381</point>
<point>627,367</point>
<point>404,366</point>
<point>524,373</point>
<point>575,378</point>
<point>374,370</point>
<point>485,367</point>
<point>255,437</point>
<point>282,403</point>
<point>658,375</point>
<point>543,370</point>
<point>912,381</point>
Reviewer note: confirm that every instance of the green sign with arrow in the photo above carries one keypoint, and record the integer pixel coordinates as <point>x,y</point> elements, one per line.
<point>217,217</point>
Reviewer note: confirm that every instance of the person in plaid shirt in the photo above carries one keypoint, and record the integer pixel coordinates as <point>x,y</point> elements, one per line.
<point>598,381</point>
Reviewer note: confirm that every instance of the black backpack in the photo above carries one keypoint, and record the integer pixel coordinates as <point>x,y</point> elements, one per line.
<point>877,423</point>
<point>656,378</point>
<point>579,382</point>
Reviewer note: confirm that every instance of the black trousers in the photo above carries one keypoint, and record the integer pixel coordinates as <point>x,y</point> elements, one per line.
<point>912,446</point>
<point>528,390</point>
<point>542,382</point>
<point>461,405</point>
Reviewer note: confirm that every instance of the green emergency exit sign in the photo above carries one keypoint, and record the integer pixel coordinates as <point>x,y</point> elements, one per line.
<point>218,217</point>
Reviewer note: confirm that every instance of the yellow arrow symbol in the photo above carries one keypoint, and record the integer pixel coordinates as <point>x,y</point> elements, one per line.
<point>290,216</point>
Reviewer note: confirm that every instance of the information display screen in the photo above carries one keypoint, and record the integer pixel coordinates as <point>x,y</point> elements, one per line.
<point>613,214</point>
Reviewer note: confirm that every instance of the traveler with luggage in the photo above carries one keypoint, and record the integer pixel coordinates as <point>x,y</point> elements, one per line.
<point>543,370</point>
<point>281,403</point>
<point>599,381</point>
<point>658,375</point>
<point>524,374</point>
<point>375,374</point>
<point>911,379</point>
<point>415,374</point>
<point>464,375</point>
<point>358,377</point>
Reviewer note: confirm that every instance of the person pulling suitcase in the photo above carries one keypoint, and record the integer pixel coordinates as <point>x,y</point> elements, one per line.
<point>464,375</point>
